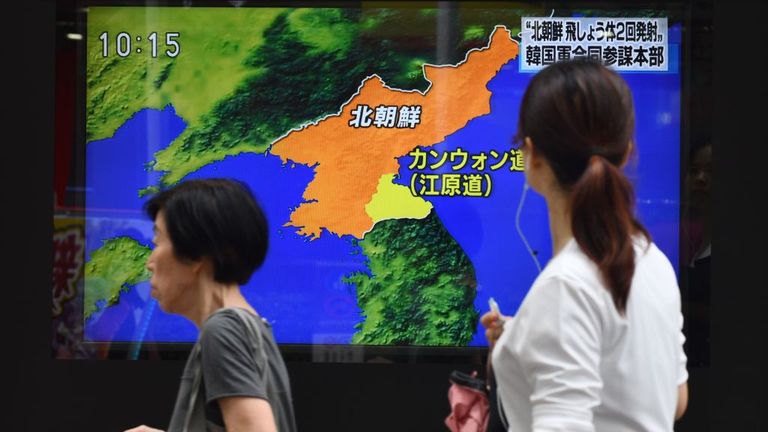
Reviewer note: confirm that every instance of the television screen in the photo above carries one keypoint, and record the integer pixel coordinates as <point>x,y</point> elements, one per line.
<point>378,140</point>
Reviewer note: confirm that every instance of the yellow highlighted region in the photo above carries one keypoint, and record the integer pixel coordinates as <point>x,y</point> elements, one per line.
<point>393,201</point>
<point>349,161</point>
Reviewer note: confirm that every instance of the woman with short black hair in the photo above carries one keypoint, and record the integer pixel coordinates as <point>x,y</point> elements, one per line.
<point>210,236</point>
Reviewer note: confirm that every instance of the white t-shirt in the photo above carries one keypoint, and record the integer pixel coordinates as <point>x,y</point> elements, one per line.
<point>568,361</point>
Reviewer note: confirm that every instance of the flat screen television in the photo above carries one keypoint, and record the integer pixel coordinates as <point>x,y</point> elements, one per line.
<point>376,136</point>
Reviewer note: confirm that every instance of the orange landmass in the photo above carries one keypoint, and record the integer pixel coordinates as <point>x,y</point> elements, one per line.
<point>351,160</point>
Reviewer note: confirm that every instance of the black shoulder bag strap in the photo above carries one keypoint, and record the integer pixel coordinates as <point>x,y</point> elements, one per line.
<point>493,390</point>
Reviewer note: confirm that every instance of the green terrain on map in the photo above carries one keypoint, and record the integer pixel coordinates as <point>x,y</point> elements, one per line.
<point>113,268</point>
<point>421,289</point>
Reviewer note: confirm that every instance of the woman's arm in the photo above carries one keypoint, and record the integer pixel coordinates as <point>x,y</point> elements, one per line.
<point>682,373</point>
<point>557,341</point>
<point>231,377</point>
<point>682,400</point>
<point>247,414</point>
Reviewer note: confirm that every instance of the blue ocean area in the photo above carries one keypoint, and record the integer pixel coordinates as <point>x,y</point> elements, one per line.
<point>299,288</point>
<point>115,171</point>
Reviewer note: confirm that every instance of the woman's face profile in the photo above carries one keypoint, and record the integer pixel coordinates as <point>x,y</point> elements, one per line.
<point>172,279</point>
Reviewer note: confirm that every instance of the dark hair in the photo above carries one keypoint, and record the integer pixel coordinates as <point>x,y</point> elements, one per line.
<point>580,117</point>
<point>215,218</point>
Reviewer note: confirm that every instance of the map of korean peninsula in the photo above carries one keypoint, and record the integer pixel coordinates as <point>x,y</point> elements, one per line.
<point>354,152</point>
<point>320,125</point>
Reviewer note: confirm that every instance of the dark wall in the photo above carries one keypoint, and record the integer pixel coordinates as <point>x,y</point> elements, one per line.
<point>738,369</point>
<point>50,395</point>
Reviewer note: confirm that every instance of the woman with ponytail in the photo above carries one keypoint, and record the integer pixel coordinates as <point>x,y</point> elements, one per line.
<point>597,343</point>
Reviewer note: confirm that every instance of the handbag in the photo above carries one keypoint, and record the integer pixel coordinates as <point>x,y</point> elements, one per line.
<point>195,420</point>
<point>468,398</point>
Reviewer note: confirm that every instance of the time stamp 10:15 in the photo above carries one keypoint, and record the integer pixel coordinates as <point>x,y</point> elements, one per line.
<point>123,44</point>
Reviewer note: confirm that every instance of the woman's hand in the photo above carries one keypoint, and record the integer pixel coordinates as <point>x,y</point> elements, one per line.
<point>494,325</point>
<point>143,428</point>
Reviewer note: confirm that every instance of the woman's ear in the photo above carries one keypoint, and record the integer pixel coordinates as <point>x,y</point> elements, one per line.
<point>536,166</point>
<point>527,144</point>
<point>202,265</point>
<point>529,152</point>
